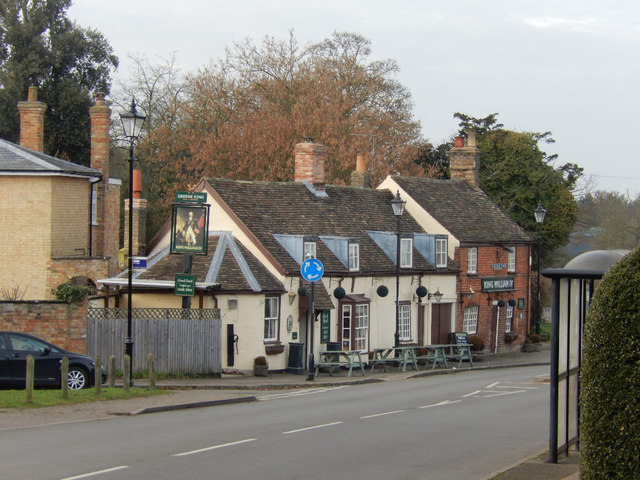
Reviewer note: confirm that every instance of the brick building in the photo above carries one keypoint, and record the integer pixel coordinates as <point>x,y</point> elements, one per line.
<point>59,219</point>
<point>492,250</point>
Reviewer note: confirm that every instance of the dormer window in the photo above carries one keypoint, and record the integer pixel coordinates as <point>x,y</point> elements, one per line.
<point>354,257</point>
<point>309,250</point>
<point>406,252</point>
<point>441,252</point>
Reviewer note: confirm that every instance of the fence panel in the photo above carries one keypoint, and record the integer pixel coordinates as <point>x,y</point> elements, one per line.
<point>182,340</point>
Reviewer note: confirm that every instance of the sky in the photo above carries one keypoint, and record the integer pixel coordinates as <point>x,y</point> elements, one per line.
<point>571,67</point>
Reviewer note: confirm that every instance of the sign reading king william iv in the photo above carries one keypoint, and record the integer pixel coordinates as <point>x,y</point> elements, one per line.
<point>498,284</point>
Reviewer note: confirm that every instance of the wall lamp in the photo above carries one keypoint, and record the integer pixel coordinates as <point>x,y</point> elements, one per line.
<point>437,295</point>
<point>469,294</point>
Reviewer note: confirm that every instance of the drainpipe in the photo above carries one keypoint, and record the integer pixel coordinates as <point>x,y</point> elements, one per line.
<point>497,326</point>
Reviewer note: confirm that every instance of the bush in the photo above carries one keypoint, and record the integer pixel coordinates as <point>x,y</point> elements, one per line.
<point>477,344</point>
<point>535,338</point>
<point>261,360</point>
<point>71,291</point>
<point>610,388</point>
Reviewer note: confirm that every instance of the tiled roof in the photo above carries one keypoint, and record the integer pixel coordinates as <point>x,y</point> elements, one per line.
<point>227,263</point>
<point>15,159</point>
<point>468,213</point>
<point>274,209</point>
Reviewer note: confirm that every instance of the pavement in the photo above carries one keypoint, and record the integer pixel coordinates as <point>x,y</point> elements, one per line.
<point>236,387</point>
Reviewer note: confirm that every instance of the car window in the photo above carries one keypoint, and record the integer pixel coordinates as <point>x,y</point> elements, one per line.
<point>26,344</point>
<point>2,347</point>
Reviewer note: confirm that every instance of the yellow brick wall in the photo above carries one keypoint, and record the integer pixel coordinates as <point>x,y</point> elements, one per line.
<point>70,216</point>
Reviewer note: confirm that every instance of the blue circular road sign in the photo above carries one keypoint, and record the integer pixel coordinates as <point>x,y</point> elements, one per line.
<point>312,269</point>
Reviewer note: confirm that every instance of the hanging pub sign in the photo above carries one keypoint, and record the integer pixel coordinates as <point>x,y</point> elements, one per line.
<point>190,224</point>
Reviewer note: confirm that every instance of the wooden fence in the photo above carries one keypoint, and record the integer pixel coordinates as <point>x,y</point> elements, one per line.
<point>184,341</point>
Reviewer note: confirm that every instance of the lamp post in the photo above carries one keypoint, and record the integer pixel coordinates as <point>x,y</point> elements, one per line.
<point>539,212</point>
<point>132,124</point>
<point>398,209</point>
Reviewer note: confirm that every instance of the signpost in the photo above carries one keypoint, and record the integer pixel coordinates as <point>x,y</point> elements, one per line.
<point>312,270</point>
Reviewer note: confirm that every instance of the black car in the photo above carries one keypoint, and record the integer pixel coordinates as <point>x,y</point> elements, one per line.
<point>14,348</point>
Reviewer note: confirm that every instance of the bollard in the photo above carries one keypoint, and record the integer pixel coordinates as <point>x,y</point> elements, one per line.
<point>97,375</point>
<point>126,380</point>
<point>111,372</point>
<point>64,377</point>
<point>29,384</point>
<point>152,371</point>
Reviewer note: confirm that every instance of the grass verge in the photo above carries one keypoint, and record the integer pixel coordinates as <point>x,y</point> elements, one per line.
<point>16,399</point>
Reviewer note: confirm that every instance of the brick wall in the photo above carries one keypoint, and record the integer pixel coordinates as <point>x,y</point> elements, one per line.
<point>32,121</point>
<point>61,323</point>
<point>487,312</point>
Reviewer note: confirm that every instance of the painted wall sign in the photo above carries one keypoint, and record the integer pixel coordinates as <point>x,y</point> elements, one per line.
<point>498,266</point>
<point>325,326</point>
<point>497,284</point>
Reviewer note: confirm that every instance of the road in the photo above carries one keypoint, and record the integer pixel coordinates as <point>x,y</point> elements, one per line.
<point>461,426</point>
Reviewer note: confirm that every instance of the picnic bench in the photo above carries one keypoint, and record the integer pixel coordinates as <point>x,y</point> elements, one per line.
<point>339,358</point>
<point>436,354</point>
<point>401,356</point>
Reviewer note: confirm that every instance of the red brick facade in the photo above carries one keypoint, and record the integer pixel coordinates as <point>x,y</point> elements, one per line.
<point>61,323</point>
<point>492,262</point>
<point>32,121</point>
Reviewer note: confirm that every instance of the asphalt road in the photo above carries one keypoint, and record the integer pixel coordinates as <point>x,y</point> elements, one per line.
<point>461,426</point>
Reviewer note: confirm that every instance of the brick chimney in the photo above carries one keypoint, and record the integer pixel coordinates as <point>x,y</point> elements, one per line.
<point>309,164</point>
<point>464,160</point>
<point>32,121</point>
<point>106,225</point>
<point>139,218</point>
<point>361,178</point>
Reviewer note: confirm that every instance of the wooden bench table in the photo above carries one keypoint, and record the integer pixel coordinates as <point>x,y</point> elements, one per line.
<point>401,355</point>
<point>339,358</point>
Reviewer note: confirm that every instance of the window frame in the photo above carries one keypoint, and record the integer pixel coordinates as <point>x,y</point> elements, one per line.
<point>404,321</point>
<point>271,322</point>
<point>508,319</point>
<point>406,252</point>
<point>472,260</point>
<point>309,245</point>
<point>354,256</point>
<point>511,260</point>
<point>442,256</point>
<point>469,321</point>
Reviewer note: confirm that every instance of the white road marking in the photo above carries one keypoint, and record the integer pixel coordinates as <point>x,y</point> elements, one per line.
<point>493,385</point>
<point>93,474</point>
<point>312,428</point>
<point>440,404</point>
<point>297,393</point>
<point>383,414</point>
<point>471,394</point>
<point>214,447</point>
<point>499,394</point>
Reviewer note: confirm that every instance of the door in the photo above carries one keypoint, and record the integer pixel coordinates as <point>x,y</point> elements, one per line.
<point>440,323</point>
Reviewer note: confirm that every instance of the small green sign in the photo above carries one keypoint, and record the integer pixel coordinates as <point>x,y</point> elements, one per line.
<point>325,326</point>
<point>185,285</point>
<point>191,197</point>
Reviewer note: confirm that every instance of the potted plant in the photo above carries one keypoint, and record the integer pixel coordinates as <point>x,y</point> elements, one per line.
<point>260,366</point>
<point>477,347</point>
<point>527,346</point>
<point>537,342</point>
<point>509,337</point>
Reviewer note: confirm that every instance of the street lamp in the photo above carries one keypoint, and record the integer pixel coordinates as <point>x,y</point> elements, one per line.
<point>132,124</point>
<point>539,212</point>
<point>398,209</point>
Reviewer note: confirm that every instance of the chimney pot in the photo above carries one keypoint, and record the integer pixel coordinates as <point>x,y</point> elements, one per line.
<point>458,142</point>
<point>360,163</point>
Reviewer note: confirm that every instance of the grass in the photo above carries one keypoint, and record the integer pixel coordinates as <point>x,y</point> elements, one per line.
<point>16,399</point>
<point>545,327</point>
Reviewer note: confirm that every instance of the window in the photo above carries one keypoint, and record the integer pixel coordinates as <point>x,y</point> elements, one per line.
<point>271,312</point>
<point>354,257</point>
<point>470,320</point>
<point>472,260</point>
<point>509,320</point>
<point>441,252</point>
<point>355,326</point>
<point>406,252</point>
<point>404,317</point>
<point>309,250</point>
<point>94,207</point>
<point>362,326</point>
<point>511,260</point>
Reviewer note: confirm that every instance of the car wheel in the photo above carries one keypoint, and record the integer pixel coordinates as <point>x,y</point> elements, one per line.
<point>77,378</point>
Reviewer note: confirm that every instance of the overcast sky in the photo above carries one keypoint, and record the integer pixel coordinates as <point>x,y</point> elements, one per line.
<point>568,66</point>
